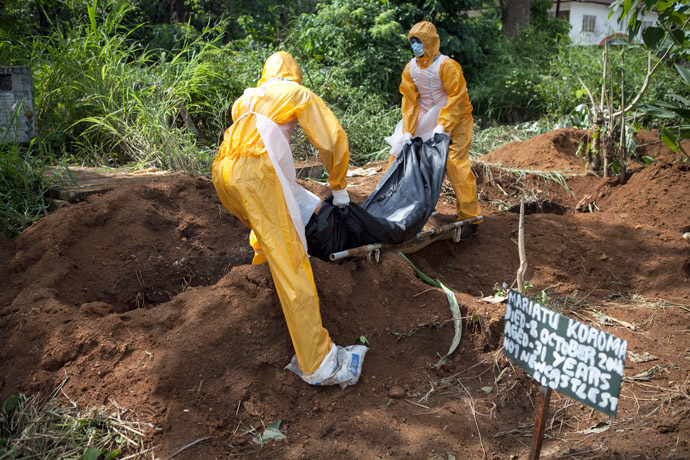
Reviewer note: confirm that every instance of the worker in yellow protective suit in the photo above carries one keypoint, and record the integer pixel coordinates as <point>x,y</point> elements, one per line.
<point>435,100</point>
<point>254,175</point>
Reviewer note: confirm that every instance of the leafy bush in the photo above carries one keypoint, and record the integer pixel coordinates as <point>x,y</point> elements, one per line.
<point>675,108</point>
<point>361,42</point>
<point>505,88</point>
<point>559,92</point>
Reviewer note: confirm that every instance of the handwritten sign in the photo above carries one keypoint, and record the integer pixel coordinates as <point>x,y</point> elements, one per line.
<point>580,361</point>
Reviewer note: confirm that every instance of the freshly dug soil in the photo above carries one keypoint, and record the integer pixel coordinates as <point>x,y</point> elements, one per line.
<point>143,296</point>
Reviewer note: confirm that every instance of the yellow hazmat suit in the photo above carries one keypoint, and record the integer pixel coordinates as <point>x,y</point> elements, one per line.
<point>435,99</point>
<point>254,177</point>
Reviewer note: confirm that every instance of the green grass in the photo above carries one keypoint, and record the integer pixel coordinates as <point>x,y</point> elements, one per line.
<point>23,189</point>
<point>367,123</point>
<point>104,99</point>
<point>134,109</point>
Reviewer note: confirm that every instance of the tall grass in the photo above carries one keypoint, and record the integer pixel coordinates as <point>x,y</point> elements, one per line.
<point>113,104</point>
<point>367,122</point>
<point>103,98</point>
<point>23,188</point>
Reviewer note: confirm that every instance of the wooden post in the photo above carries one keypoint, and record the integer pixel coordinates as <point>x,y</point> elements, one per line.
<point>545,393</point>
<point>521,249</point>
<point>623,178</point>
<point>602,153</point>
<point>540,422</point>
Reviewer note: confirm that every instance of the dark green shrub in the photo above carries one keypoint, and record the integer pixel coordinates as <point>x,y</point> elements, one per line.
<point>361,41</point>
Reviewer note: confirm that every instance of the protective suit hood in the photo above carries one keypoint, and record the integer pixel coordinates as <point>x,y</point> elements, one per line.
<point>426,32</point>
<point>281,65</point>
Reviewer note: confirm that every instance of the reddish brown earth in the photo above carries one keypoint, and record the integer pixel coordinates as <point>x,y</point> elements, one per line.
<point>144,295</point>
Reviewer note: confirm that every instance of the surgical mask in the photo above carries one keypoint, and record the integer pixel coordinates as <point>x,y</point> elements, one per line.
<point>417,48</point>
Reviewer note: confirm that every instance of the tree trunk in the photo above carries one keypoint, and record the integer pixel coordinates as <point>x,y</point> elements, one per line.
<point>622,148</point>
<point>514,16</point>
<point>594,155</point>
<point>175,11</point>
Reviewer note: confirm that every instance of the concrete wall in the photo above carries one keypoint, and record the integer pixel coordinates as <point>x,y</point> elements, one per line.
<point>604,26</point>
<point>17,120</point>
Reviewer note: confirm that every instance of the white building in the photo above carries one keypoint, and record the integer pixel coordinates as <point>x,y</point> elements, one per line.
<point>590,23</point>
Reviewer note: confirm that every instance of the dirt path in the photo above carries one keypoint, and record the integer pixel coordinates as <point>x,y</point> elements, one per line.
<point>143,294</point>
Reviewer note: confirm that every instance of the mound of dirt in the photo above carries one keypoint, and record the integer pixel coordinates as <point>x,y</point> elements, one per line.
<point>552,151</point>
<point>649,144</point>
<point>557,150</point>
<point>143,296</point>
<point>657,195</point>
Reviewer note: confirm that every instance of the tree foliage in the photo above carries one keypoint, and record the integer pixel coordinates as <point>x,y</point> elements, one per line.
<point>611,106</point>
<point>352,54</point>
<point>670,40</point>
<point>359,41</point>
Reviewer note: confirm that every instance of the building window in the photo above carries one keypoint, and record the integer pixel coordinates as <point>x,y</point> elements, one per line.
<point>588,23</point>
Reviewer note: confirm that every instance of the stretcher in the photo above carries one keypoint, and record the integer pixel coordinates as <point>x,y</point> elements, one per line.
<point>422,239</point>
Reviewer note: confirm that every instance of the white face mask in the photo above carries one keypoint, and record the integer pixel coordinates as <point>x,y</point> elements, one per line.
<point>417,47</point>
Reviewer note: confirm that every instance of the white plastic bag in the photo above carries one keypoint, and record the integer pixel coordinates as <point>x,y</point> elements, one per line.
<point>341,366</point>
<point>426,122</point>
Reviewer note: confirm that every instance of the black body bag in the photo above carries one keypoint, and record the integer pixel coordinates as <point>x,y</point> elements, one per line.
<point>395,211</point>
